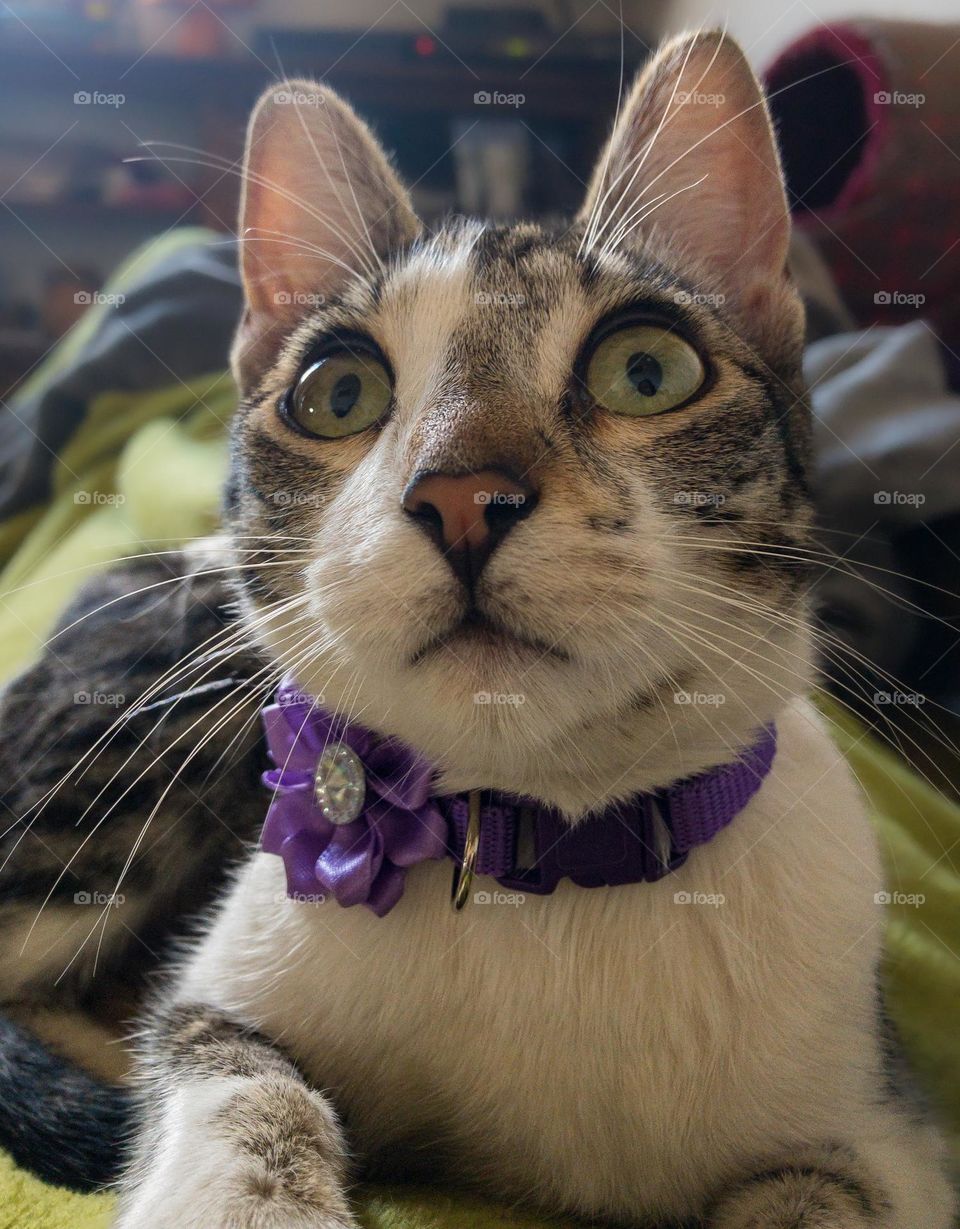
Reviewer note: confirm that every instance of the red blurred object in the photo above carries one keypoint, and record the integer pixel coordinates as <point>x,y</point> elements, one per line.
<point>868,116</point>
<point>188,28</point>
<point>424,44</point>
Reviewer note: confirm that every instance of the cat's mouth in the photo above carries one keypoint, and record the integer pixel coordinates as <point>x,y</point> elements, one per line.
<point>478,630</point>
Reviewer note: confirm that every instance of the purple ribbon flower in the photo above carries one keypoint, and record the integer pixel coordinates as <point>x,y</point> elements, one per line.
<point>363,861</point>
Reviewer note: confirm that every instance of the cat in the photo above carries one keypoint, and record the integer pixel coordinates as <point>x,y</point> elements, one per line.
<point>530,507</point>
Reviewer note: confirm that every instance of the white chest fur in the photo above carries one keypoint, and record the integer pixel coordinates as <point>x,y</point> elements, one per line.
<point>615,1050</point>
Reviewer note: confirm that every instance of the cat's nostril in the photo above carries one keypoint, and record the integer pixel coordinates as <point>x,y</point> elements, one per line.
<point>507,508</point>
<point>468,515</point>
<point>429,517</point>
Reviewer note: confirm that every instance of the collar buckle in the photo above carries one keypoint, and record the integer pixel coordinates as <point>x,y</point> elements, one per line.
<point>464,872</point>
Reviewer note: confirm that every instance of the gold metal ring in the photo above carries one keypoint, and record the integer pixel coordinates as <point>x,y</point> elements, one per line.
<point>463,874</point>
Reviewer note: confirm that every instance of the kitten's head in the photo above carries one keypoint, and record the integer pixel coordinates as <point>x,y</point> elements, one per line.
<point>530,500</point>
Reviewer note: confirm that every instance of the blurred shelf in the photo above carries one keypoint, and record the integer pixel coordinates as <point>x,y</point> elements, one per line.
<point>552,88</point>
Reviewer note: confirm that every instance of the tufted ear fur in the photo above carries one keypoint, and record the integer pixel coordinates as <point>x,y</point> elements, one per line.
<point>692,160</point>
<point>321,204</point>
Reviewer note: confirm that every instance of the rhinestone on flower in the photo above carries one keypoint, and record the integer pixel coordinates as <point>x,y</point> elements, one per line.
<point>340,785</point>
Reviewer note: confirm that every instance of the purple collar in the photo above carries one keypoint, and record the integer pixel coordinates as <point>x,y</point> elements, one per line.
<point>351,812</point>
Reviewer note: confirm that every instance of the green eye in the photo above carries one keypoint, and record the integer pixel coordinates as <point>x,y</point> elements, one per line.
<point>341,395</point>
<point>643,369</point>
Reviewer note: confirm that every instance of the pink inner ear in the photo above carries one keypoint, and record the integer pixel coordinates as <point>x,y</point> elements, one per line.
<point>693,166</point>
<point>300,237</point>
<point>321,203</point>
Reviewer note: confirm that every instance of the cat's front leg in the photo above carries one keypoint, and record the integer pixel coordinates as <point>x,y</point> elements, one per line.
<point>232,1137</point>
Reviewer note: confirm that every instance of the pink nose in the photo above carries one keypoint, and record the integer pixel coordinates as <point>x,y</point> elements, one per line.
<point>468,515</point>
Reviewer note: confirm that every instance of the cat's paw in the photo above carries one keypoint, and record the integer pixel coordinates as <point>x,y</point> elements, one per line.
<point>234,1194</point>
<point>799,1197</point>
<point>237,1154</point>
<point>179,1211</point>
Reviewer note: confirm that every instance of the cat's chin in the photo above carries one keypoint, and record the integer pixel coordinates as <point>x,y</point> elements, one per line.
<point>484,640</point>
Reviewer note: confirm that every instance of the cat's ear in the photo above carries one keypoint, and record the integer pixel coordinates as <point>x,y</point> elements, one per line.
<point>320,203</point>
<point>693,161</point>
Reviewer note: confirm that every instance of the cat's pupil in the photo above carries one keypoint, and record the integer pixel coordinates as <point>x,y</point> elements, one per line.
<point>345,394</point>
<point>644,373</point>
